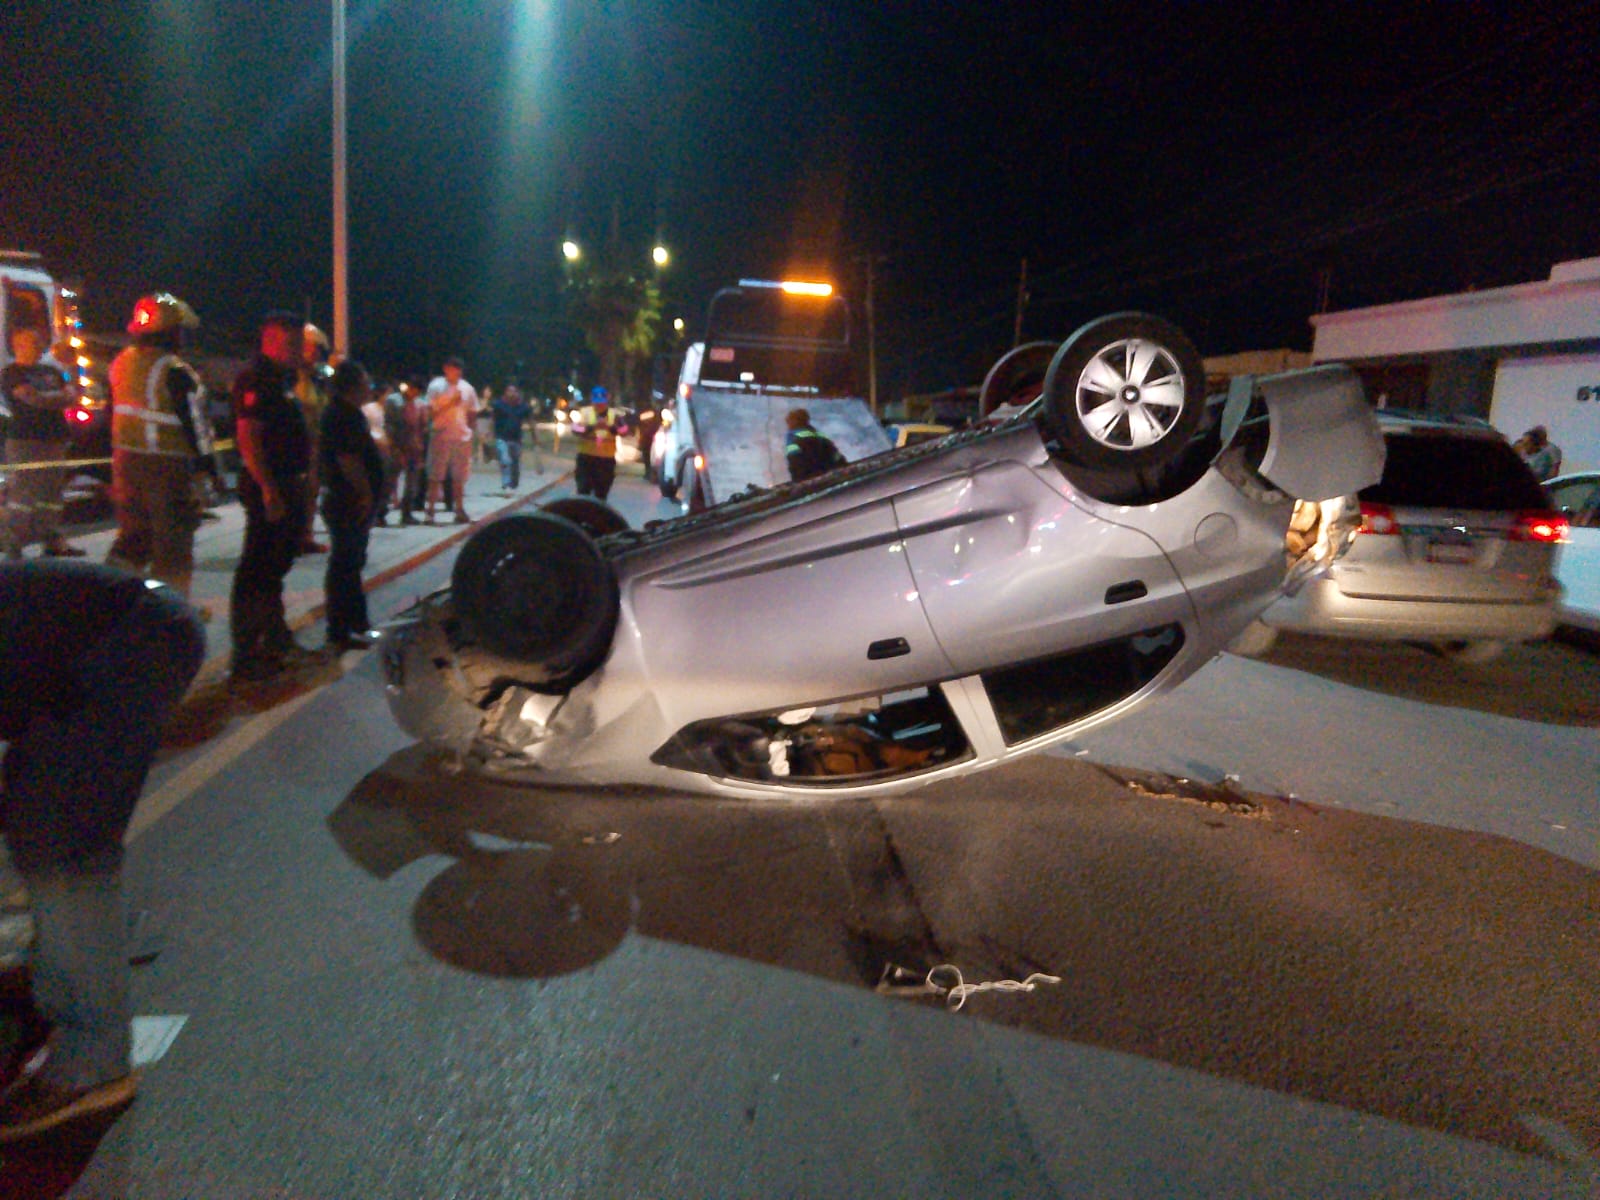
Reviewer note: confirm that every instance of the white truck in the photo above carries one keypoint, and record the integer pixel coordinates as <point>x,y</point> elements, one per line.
<point>770,347</point>
<point>32,298</point>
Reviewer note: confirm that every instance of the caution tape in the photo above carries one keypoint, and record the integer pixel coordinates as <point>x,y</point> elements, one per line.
<point>62,464</point>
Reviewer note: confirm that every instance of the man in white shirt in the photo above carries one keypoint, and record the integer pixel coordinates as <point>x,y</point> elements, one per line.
<point>453,410</point>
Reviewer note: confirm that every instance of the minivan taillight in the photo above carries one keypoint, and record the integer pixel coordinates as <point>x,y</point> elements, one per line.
<point>1378,518</point>
<point>1539,527</point>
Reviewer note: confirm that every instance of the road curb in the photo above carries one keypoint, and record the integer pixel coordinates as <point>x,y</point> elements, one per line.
<point>217,664</point>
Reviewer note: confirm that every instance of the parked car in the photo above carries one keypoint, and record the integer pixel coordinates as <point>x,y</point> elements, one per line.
<point>1577,498</point>
<point>1456,548</point>
<point>921,613</point>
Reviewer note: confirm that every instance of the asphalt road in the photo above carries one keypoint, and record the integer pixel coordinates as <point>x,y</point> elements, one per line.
<point>399,982</point>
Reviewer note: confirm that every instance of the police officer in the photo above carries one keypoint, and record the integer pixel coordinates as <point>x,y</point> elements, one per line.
<point>806,451</point>
<point>597,429</point>
<point>160,434</point>
<point>93,660</point>
<point>275,452</point>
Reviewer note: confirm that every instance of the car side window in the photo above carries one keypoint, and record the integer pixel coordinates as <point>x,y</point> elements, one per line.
<point>1580,501</point>
<point>1587,514</point>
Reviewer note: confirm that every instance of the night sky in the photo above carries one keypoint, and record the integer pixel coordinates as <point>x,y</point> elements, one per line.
<point>1222,164</point>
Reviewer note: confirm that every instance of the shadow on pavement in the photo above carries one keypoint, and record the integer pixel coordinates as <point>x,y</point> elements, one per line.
<point>1551,682</point>
<point>1430,976</point>
<point>215,704</point>
<point>49,1167</point>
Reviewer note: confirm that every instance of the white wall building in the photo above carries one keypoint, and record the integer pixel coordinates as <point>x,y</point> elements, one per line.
<point>1523,355</point>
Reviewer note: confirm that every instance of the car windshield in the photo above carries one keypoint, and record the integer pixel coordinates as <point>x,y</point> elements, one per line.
<point>763,338</point>
<point>1426,470</point>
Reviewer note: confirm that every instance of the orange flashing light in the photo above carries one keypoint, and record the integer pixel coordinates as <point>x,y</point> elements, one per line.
<point>795,287</point>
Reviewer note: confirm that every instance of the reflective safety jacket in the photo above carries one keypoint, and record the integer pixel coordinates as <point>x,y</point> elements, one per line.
<point>810,453</point>
<point>311,393</point>
<point>596,431</point>
<point>158,404</point>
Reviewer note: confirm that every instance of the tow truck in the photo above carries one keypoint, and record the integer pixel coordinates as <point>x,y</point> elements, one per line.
<point>770,346</point>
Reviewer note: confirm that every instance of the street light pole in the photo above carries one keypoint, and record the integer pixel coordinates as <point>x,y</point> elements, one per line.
<point>341,233</point>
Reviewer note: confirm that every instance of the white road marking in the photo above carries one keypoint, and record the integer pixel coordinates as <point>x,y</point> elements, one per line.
<point>210,763</point>
<point>153,1037</point>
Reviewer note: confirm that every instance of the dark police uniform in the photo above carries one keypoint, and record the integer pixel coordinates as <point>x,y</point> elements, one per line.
<point>345,432</point>
<point>264,395</point>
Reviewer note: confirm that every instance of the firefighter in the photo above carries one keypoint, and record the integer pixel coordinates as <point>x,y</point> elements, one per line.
<point>160,435</point>
<point>597,428</point>
<point>311,393</point>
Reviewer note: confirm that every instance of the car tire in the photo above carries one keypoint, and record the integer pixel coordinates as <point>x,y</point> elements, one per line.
<point>1254,640</point>
<point>668,483</point>
<point>594,517</point>
<point>1017,377</point>
<point>533,587</point>
<point>1125,392</point>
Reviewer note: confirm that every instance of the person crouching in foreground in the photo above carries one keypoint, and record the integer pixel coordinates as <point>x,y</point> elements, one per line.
<point>94,661</point>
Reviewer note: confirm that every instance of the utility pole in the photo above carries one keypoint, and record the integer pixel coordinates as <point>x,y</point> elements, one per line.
<point>1022,303</point>
<point>341,236</point>
<point>872,346</point>
<point>872,261</point>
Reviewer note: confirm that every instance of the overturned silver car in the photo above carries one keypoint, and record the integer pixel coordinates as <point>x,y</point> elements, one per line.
<point>933,610</point>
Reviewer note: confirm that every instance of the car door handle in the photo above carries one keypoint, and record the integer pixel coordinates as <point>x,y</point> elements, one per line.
<point>888,648</point>
<point>1121,593</point>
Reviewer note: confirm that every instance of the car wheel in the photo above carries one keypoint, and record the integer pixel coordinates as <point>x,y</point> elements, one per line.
<point>1471,654</point>
<point>1017,378</point>
<point>534,587</point>
<point>594,517</point>
<point>1125,392</point>
<point>691,486</point>
<point>1254,640</point>
<point>668,484</point>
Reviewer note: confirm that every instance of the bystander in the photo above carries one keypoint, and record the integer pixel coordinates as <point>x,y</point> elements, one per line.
<point>93,660</point>
<point>511,412</point>
<point>352,472</point>
<point>36,394</point>
<point>453,410</point>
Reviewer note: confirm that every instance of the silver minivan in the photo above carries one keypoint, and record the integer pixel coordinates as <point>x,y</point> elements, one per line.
<point>1456,548</point>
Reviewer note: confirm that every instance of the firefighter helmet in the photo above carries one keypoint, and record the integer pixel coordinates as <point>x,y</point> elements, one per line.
<point>161,312</point>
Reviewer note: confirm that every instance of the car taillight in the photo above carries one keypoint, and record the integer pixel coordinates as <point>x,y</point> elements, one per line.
<point>1378,518</point>
<point>81,415</point>
<point>1539,527</point>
